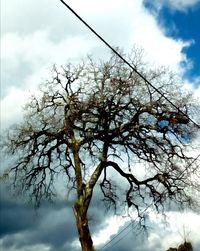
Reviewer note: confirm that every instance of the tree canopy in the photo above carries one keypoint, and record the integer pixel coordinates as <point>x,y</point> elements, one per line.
<point>186,246</point>
<point>95,122</point>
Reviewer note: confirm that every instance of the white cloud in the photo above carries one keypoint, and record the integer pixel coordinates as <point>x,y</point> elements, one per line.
<point>37,49</point>
<point>26,56</point>
<point>181,226</point>
<point>164,232</point>
<point>142,30</point>
<point>12,105</point>
<point>26,60</point>
<point>38,36</point>
<point>154,241</point>
<point>112,226</point>
<point>160,49</point>
<point>197,91</point>
<point>122,23</point>
<point>182,4</point>
<point>177,5</point>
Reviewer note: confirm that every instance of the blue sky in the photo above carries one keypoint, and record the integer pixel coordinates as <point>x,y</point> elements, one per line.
<point>187,28</point>
<point>182,24</point>
<point>37,34</point>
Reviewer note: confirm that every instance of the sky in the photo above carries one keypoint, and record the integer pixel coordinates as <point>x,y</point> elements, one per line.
<point>37,34</point>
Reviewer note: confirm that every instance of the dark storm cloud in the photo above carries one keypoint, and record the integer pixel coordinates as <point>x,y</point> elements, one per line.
<point>16,217</point>
<point>53,224</point>
<point>57,228</point>
<point>54,229</point>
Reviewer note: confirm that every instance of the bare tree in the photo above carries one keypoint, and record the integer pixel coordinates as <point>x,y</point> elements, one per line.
<point>186,246</point>
<point>97,118</point>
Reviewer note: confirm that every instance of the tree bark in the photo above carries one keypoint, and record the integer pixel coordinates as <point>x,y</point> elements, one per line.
<point>84,196</point>
<point>83,228</point>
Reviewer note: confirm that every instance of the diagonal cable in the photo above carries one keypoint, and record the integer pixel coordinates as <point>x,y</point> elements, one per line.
<point>146,81</point>
<point>116,236</point>
<point>124,229</point>
<point>189,165</point>
<point>122,237</point>
<point>126,62</point>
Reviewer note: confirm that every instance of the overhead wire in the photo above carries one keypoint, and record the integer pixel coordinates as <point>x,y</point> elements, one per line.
<point>126,62</point>
<point>146,81</point>
<point>122,231</point>
<point>115,243</point>
<point>108,244</point>
<point>118,234</point>
<point>131,223</point>
<point>190,164</point>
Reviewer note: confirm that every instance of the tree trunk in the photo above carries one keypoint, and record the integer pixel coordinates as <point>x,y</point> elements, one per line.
<point>83,228</point>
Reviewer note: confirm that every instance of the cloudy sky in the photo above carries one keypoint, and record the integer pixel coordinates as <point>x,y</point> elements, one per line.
<point>37,34</point>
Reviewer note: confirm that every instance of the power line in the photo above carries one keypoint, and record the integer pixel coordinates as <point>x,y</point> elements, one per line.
<point>115,243</point>
<point>146,81</point>
<point>125,228</point>
<point>186,168</point>
<point>131,223</point>
<point>107,244</point>
<point>126,62</point>
<point>194,160</point>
